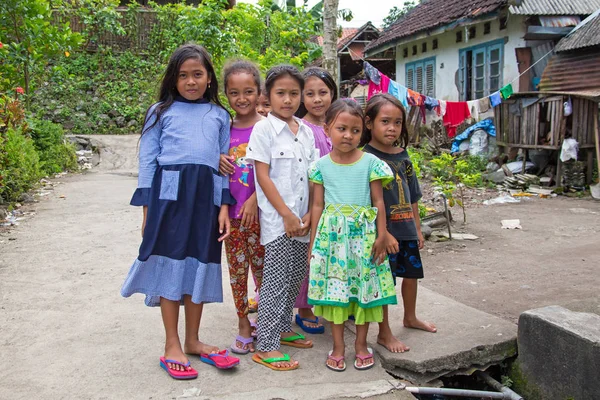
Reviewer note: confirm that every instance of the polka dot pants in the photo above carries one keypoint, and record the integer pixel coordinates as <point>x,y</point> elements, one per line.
<point>284,269</point>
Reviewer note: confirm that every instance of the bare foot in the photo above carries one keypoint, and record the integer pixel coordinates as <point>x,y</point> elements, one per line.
<point>197,347</point>
<point>279,364</point>
<point>307,313</point>
<point>392,343</point>
<point>367,357</point>
<point>305,342</point>
<point>418,324</point>
<point>173,352</point>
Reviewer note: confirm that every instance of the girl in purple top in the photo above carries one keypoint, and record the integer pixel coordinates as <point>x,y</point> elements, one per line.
<point>319,92</point>
<point>243,248</point>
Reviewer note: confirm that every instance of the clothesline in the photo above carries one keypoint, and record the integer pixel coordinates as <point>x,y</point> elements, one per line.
<point>495,93</point>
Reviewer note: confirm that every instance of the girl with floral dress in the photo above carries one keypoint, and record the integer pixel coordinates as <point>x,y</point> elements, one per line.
<point>349,273</point>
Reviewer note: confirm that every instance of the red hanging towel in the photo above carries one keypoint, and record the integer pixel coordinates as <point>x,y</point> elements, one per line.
<point>456,113</point>
<point>381,88</point>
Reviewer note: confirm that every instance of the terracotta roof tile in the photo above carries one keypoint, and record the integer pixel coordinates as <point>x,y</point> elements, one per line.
<point>435,13</point>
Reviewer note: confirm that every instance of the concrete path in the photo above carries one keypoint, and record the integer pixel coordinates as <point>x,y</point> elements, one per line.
<point>67,333</point>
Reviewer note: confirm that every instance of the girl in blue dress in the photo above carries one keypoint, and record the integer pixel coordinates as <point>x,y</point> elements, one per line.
<point>186,205</point>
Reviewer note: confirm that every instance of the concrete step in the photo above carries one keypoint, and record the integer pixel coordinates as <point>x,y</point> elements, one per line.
<point>466,339</point>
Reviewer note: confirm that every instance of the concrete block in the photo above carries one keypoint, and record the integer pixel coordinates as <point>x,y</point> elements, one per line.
<point>559,352</point>
<point>466,338</point>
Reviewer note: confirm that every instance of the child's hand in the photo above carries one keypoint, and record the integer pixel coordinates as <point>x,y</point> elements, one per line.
<point>224,223</point>
<point>379,251</point>
<point>421,240</point>
<point>391,244</point>
<point>305,224</point>
<point>291,224</point>
<point>225,165</point>
<point>249,212</point>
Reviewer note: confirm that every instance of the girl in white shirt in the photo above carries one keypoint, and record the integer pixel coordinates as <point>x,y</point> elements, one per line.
<point>282,148</point>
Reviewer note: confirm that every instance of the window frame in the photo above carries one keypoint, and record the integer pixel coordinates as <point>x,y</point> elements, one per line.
<point>411,77</point>
<point>467,82</point>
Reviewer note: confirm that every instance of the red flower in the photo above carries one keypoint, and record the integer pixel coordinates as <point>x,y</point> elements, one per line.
<point>1,45</point>
<point>20,90</point>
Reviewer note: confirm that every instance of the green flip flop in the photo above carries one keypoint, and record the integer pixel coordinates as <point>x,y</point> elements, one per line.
<point>291,341</point>
<point>268,361</point>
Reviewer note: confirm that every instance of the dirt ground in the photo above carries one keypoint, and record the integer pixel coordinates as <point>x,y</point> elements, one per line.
<point>553,260</point>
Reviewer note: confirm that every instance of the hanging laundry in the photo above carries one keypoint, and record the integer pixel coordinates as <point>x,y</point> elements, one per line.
<point>422,100</point>
<point>372,73</point>
<point>506,91</point>
<point>414,98</point>
<point>484,105</point>
<point>431,103</point>
<point>474,108</point>
<point>456,113</point>
<point>442,108</point>
<point>381,88</point>
<point>399,92</point>
<point>495,99</point>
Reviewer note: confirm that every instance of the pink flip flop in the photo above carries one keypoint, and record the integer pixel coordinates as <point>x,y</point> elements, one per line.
<point>363,359</point>
<point>337,361</point>
<point>244,341</point>
<point>255,331</point>
<point>221,360</point>
<point>189,373</point>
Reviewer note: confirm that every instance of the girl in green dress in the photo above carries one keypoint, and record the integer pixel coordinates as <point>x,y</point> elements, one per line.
<point>349,271</point>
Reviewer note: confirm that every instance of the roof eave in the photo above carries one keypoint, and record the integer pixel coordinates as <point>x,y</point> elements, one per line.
<point>427,33</point>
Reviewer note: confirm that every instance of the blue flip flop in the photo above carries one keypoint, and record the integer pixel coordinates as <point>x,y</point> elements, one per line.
<point>300,322</point>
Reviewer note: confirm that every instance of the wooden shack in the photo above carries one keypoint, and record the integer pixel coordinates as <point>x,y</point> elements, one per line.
<point>536,120</point>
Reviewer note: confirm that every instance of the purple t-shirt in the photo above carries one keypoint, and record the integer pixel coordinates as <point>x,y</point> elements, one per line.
<point>322,142</point>
<point>241,182</point>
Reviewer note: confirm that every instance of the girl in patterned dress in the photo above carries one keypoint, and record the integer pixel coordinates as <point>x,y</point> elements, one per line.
<point>244,251</point>
<point>349,273</point>
<point>185,207</point>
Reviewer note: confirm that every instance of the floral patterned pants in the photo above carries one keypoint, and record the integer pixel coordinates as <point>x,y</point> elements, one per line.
<point>244,253</point>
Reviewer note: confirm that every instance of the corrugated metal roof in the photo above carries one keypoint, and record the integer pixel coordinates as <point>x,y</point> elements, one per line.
<point>567,72</point>
<point>433,14</point>
<point>559,22</point>
<point>586,34</point>
<point>555,7</point>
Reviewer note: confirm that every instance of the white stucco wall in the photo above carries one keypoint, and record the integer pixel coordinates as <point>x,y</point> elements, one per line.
<point>447,54</point>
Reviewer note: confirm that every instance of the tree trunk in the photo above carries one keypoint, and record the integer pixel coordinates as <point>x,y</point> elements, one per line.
<point>330,11</point>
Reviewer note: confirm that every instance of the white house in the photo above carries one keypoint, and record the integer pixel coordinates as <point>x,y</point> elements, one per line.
<point>468,49</point>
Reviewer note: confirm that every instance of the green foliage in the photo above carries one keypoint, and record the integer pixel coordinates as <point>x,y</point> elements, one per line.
<point>121,89</point>
<point>28,152</point>
<point>30,42</point>
<point>19,166</point>
<point>97,16</point>
<point>396,13</point>
<point>422,210</point>
<point>55,153</point>
<point>451,174</point>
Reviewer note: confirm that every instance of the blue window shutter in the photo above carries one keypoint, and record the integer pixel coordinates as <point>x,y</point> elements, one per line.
<point>410,76</point>
<point>462,75</point>
<point>429,81</point>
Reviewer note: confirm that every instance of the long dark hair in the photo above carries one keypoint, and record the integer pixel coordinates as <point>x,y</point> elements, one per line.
<point>372,109</point>
<point>327,79</point>
<point>344,105</point>
<point>168,87</point>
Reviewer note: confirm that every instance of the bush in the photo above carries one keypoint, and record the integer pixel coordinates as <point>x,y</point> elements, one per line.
<point>55,154</point>
<point>19,164</point>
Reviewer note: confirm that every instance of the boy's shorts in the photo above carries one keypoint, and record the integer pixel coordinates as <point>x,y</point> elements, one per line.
<point>407,262</point>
